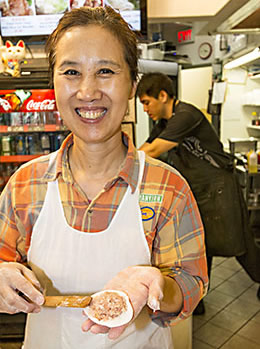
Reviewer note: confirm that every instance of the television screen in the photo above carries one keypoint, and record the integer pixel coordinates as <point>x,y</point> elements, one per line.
<point>40,17</point>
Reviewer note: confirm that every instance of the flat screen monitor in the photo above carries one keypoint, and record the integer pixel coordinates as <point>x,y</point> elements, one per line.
<point>40,17</point>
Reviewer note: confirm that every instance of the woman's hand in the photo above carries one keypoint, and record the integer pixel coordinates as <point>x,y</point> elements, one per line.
<point>16,279</point>
<point>143,285</point>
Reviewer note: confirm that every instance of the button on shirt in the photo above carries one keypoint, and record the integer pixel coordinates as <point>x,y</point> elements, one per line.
<point>173,231</point>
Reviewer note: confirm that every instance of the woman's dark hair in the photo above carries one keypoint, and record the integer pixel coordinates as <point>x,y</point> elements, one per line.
<point>152,84</point>
<point>105,17</point>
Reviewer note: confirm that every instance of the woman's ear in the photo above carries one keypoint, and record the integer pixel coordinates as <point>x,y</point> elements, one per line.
<point>133,90</point>
<point>163,96</point>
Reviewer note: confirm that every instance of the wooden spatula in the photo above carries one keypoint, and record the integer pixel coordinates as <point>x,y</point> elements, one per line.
<point>67,301</point>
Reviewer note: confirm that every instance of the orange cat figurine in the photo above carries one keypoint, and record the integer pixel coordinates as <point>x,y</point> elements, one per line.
<point>12,57</point>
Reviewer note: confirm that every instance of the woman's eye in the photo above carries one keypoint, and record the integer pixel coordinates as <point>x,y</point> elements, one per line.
<point>105,71</point>
<point>71,72</point>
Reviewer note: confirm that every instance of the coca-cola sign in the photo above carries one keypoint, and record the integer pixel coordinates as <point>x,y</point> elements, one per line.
<point>27,100</point>
<point>47,104</point>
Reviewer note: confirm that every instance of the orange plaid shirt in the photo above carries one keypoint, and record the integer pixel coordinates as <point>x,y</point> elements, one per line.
<point>174,234</point>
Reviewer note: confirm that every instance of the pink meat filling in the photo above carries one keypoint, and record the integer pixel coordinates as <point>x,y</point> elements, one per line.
<point>107,306</point>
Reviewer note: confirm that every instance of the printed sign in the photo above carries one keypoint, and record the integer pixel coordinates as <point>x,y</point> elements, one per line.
<point>27,100</point>
<point>150,198</point>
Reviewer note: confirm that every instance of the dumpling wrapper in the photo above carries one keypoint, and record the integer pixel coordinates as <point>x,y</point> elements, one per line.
<point>120,320</point>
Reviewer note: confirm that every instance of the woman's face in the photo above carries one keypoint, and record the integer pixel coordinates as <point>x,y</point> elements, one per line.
<point>92,83</point>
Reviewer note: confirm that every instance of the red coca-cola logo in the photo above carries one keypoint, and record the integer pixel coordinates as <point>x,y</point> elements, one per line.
<point>47,104</point>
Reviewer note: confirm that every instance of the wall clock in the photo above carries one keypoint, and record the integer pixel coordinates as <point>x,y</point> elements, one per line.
<point>205,50</point>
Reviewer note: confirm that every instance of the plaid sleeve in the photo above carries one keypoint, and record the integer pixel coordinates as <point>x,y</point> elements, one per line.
<point>178,246</point>
<point>189,267</point>
<point>20,204</point>
<point>9,234</point>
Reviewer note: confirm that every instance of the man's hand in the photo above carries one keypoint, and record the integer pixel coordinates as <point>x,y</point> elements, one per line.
<point>143,285</point>
<point>19,289</point>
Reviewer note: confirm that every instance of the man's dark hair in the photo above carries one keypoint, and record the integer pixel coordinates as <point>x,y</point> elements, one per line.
<point>152,84</point>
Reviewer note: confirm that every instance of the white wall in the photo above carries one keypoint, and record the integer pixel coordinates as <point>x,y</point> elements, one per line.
<point>234,115</point>
<point>184,8</point>
<point>142,125</point>
<point>194,85</point>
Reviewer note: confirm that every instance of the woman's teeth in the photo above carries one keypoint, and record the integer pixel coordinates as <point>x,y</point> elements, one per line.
<point>90,114</point>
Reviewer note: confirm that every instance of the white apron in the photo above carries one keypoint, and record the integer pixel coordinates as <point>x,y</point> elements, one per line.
<point>68,261</point>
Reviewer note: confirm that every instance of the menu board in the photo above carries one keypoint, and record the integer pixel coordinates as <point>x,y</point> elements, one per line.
<point>40,17</point>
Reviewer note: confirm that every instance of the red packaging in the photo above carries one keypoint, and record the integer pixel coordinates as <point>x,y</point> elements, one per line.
<point>27,100</point>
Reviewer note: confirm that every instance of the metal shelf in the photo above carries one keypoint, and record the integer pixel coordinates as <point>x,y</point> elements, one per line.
<point>18,158</point>
<point>32,128</point>
<point>253,208</point>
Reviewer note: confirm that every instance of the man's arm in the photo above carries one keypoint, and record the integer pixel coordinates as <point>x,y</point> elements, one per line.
<point>157,147</point>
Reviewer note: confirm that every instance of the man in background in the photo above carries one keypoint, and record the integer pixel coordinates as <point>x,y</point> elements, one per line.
<point>186,140</point>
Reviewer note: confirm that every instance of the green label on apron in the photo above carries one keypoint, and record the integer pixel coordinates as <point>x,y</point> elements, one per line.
<point>150,198</point>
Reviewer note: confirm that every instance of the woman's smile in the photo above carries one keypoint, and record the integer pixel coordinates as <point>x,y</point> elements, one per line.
<point>91,114</point>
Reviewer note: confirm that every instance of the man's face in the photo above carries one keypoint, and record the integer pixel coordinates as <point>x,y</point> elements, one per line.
<point>154,107</point>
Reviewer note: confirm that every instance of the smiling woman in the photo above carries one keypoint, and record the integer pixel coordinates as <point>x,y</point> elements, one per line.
<point>98,214</point>
<point>93,85</point>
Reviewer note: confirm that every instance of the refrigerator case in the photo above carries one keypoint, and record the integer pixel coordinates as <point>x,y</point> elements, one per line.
<point>22,102</point>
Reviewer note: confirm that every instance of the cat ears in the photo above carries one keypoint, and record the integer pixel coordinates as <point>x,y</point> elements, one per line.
<point>9,44</point>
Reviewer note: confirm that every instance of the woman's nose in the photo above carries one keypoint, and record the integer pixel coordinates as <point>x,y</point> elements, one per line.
<point>88,89</point>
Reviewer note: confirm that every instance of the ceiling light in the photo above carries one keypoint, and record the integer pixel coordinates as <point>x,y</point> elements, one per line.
<point>249,57</point>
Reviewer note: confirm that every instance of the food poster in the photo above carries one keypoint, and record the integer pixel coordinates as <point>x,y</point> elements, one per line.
<point>41,17</point>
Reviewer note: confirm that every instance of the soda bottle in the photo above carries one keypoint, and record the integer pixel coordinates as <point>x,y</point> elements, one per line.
<point>45,143</point>
<point>6,145</point>
<point>20,145</point>
<point>33,144</point>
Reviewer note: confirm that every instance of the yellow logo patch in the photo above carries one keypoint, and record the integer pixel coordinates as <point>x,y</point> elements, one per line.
<point>147,213</point>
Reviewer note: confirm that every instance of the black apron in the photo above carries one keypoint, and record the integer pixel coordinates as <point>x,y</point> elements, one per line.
<point>219,198</point>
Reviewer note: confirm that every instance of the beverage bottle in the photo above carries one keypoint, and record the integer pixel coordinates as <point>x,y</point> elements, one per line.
<point>2,177</point>
<point>252,161</point>
<point>20,145</point>
<point>33,144</point>
<point>45,143</point>
<point>6,145</point>
<point>8,172</point>
<point>60,138</point>
<point>13,144</point>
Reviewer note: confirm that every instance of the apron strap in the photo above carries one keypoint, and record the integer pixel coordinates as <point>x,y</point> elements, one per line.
<point>141,155</point>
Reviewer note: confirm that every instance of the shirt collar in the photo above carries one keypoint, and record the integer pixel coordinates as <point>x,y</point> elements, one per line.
<point>128,173</point>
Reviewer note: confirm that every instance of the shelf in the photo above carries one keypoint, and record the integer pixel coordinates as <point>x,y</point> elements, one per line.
<point>253,131</point>
<point>254,77</point>
<point>18,158</point>
<point>253,174</point>
<point>253,208</point>
<point>32,128</point>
